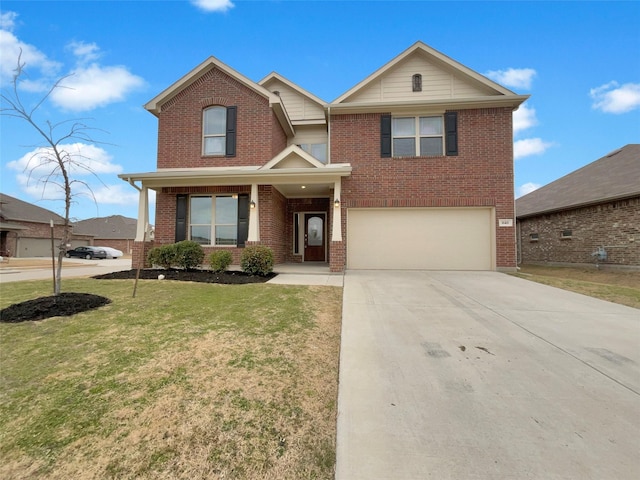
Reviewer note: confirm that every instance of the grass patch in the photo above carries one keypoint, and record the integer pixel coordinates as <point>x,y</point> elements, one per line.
<point>615,286</point>
<point>186,380</point>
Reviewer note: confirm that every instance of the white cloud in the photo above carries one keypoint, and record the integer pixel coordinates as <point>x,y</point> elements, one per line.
<point>118,194</point>
<point>527,188</point>
<point>86,52</point>
<point>213,5</point>
<point>8,21</point>
<point>530,146</point>
<point>95,86</point>
<point>524,118</point>
<point>613,98</point>
<point>513,77</point>
<point>39,178</point>
<point>11,48</point>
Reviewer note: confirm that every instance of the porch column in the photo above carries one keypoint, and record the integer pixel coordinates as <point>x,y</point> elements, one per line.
<point>336,224</point>
<point>254,222</point>
<point>143,215</point>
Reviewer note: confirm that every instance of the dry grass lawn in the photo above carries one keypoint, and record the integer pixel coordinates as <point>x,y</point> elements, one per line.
<point>617,286</point>
<point>186,381</point>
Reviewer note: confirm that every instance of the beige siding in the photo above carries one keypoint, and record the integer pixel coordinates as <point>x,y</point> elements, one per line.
<point>420,238</point>
<point>438,82</point>
<point>298,106</point>
<point>309,134</point>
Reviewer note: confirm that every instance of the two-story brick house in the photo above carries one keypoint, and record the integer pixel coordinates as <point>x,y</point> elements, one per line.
<point>412,168</point>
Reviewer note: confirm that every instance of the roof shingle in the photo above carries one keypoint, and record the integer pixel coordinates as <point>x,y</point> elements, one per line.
<point>612,177</point>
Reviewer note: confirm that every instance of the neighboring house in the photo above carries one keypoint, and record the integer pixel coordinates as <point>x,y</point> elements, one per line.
<point>114,231</point>
<point>591,215</point>
<point>25,229</point>
<point>412,168</point>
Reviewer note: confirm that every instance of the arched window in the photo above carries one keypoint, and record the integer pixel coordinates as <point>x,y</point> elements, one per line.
<point>214,122</point>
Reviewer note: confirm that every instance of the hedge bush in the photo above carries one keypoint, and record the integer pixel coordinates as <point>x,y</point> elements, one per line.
<point>257,260</point>
<point>164,256</point>
<point>220,260</point>
<point>189,254</point>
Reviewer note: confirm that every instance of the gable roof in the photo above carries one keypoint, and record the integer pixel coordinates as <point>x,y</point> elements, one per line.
<point>155,104</point>
<point>461,87</point>
<point>13,209</point>
<point>612,177</point>
<point>114,227</point>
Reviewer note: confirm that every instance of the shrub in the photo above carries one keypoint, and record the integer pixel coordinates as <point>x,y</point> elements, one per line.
<point>257,260</point>
<point>164,255</point>
<point>189,254</point>
<point>220,260</point>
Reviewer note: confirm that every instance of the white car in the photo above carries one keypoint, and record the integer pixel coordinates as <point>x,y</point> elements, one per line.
<point>111,252</point>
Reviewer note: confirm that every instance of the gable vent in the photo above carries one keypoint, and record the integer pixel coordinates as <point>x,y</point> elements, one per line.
<point>416,82</point>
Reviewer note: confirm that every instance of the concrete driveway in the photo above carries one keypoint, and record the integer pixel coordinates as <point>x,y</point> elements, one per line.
<point>481,375</point>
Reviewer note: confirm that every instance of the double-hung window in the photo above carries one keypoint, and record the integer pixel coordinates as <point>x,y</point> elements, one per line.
<point>213,220</point>
<point>219,131</point>
<point>417,136</point>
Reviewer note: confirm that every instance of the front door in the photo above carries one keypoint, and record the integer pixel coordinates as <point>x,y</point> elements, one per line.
<point>314,237</point>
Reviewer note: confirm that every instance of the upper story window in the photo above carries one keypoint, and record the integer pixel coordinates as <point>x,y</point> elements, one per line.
<point>417,136</point>
<point>318,150</point>
<point>219,131</point>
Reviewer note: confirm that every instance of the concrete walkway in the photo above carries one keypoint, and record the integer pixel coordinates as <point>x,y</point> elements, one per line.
<point>460,375</point>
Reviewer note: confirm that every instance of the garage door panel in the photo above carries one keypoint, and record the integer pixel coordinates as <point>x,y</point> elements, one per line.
<point>420,239</point>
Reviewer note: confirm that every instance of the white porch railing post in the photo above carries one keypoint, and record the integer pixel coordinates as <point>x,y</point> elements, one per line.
<point>254,217</point>
<point>336,225</point>
<point>143,215</point>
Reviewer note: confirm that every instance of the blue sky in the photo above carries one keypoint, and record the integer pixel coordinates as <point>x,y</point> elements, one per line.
<point>579,61</point>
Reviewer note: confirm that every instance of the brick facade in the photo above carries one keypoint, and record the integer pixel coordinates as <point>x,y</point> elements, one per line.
<point>481,175</point>
<point>612,225</point>
<point>259,135</point>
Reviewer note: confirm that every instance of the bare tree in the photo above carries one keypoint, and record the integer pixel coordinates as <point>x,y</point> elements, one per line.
<point>52,156</point>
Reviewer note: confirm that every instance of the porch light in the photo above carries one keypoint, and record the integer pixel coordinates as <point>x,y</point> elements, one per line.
<point>336,203</point>
<point>252,205</point>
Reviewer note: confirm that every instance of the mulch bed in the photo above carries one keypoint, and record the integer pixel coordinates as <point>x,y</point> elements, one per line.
<point>67,304</point>
<point>205,276</point>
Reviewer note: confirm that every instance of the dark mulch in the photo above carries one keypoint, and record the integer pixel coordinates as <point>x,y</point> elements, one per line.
<point>205,276</point>
<point>67,304</point>
<point>61,305</point>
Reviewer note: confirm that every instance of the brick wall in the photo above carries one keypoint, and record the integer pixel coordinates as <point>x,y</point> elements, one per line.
<point>480,176</point>
<point>259,135</point>
<point>614,225</point>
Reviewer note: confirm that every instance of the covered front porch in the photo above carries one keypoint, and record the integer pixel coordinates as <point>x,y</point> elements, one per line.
<point>293,206</point>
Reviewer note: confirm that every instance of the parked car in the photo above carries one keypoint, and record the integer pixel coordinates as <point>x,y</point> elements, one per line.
<point>87,252</point>
<point>112,252</point>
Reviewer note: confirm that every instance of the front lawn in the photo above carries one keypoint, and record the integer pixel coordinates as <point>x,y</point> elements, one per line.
<point>617,286</point>
<point>187,380</point>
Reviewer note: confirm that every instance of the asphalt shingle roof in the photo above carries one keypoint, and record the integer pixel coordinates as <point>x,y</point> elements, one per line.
<point>113,227</point>
<point>13,209</point>
<point>612,177</point>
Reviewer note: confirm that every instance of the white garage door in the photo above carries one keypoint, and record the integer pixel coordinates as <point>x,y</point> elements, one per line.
<point>420,238</point>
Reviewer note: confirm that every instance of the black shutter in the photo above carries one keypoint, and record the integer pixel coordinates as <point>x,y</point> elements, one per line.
<point>231,131</point>
<point>243,218</point>
<point>451,133</point>
<point>181,217</point>
<point>385,136</point>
